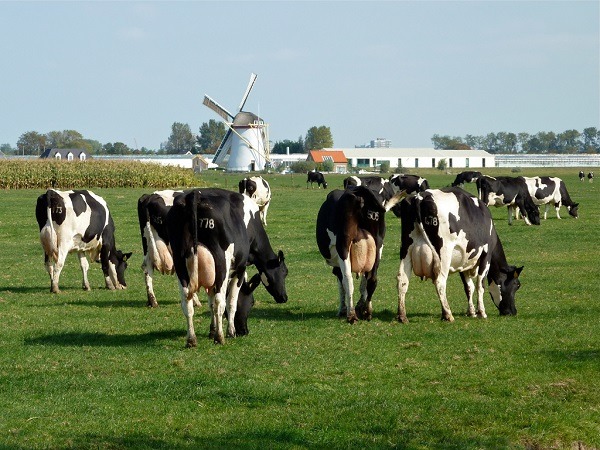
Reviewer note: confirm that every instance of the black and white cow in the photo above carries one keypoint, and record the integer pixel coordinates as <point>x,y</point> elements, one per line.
<point>581,175</point>
<point>468,176</point>
<point>408,183</point>
<point>350,231</point>
<point>316,177</point>
<point>551,190</point>
<point>258,190</point>
<point>510,192</point>
<point>446,231</point>
<point>590,176</point>
<point>152,216</point>
<point>79,221</point>
<point>214,235</point>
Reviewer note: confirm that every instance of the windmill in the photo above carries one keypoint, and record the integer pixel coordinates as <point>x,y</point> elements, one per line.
<point>245,146</point>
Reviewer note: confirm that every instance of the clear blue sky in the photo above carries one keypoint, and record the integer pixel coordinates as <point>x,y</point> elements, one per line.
<point>401,70</point>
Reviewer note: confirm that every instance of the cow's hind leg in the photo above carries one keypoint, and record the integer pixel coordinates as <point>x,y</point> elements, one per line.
<point>440,286</point>
<point>234,290</point>
<point>188,311</point>
<point>342,294</point>
<point>404,273</point>
<point>85,265</point>
<point>55,276</point>
<point>364,307</point>
<point>148,274</point>
<point>469,289</point>
<point>480,294</point>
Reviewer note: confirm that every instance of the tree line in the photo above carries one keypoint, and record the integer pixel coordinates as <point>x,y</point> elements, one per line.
<point>181,140</point>
<point>211,133</point>
<point>567,142</point>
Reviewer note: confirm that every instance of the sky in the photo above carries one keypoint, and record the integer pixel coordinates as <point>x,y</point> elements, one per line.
<point>400,70</point>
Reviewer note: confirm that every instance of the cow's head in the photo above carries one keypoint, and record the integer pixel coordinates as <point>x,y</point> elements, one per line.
<point>504,288</point>
<point>119,259</point>
<point>244,305</point>
<point>273,277</point>
<point>532,210</point>
<point>574,210</point>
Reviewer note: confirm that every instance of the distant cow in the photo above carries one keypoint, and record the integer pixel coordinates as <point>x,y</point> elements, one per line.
<point>79,221</point>
<point>510,192</point>
<point>409,183</point>
<point>214,235</point>
<point>446,231</point>
<point>316,177</point>
<point>581,175</point>
<point>551,190</point>
<point>468,176</point>
<point>258,190</point>
<point>591,177</point>
<point>350,231</point>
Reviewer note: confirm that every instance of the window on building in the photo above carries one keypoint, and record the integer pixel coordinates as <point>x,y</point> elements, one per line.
<point>433,162</point>
<point>82,156</point>
<point>328,158</point>
<point>416,162</point>
<point>449,162</point>
<point>362,162</point>
<point>70,156</point>
<point>482,162</point>
<point>57,156</point>
<point>467,163</point>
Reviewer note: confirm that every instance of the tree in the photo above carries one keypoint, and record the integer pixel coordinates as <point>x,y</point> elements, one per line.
<point>6,149</point>
<point>181,139</point>
<point>318,138</point>
<point>442,164</point>
<point>591,140</point>
<point>302,166</point>
<point>294,146</point>
<point>384,167</point>
<point>211,135</point>
<point>449,143</point>
<point>31,143</point>
<point>568,141</point>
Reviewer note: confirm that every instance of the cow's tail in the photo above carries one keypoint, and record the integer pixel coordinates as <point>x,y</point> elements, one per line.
<point>427,202</point>
<point>152,250</point>
<point>48,235</point>
<point>192,260</point>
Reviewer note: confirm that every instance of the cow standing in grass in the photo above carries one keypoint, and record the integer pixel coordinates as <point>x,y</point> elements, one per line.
<point>79,221</point>
<point>551,190</point>
<point>446,231</point>
<point>214,235</point>
<point>350,231</point>
<point>510,192</point>
<point>258,190</point>
<point>316,177</point>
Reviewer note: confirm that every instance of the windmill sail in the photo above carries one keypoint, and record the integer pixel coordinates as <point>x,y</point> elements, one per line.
<point>248,89</point>
<point>226,115</point>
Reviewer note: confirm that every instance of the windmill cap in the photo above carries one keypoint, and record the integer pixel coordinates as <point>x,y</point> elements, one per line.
<point>243,119</point>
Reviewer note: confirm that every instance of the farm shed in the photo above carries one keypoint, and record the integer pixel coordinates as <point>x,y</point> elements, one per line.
<point>340,162</point>
<point>65,154</point>
<point>371,158</point>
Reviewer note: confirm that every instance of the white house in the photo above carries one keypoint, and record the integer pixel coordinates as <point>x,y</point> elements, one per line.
<point>371,158</point>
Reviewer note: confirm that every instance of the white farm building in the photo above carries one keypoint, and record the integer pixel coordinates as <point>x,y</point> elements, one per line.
<point>371,158</point>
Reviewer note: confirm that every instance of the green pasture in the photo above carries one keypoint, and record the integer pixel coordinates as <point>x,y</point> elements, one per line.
<point>100,370</point>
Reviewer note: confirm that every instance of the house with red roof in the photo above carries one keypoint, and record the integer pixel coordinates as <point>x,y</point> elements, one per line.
<point>340,162</point>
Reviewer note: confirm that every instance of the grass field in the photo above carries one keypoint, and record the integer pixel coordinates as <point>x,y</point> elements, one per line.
<point>100,370</point>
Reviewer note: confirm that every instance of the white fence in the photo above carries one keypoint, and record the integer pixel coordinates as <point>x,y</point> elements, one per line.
<point>554,160</point>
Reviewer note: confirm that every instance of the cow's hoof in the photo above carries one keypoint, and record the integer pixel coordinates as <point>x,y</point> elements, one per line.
<point>481,315</point>
<point>352,319</point>
<point>86,288</point>
<point>471,313</point>
<point>220,339</point>
<point>191,342</point>
<point>448,318</point>
<point>54,289</point>
<point>402,319</point>
<point>152,303</point>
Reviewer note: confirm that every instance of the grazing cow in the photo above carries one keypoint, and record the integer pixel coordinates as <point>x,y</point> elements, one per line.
<point>409,183</point>
<point>79,221</point>
<point>581,175</point>
<point>258,190</point>
<point>214,235</point>
<point>350,231</point>
<point>509,192</point>
<point>316,177</point>
<point>550,190</point>
<point>446,231</point>
<point>468,176</point>
<point>152,216</point>
<point>591,177</point>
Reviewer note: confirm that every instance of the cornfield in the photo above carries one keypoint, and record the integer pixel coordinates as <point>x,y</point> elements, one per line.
<point>43,174</point>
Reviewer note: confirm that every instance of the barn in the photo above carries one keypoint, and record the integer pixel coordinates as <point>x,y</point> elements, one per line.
<point>414,158</point>
<point>340,162</point>
<point>65,154</point>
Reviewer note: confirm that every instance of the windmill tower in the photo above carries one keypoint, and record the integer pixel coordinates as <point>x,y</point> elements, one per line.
<point>245,146</point>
